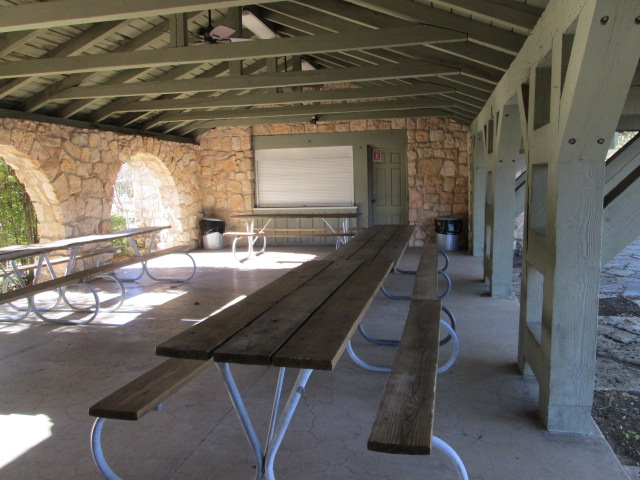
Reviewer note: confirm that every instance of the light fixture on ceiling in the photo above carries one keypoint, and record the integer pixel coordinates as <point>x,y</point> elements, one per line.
<point>254,24</point>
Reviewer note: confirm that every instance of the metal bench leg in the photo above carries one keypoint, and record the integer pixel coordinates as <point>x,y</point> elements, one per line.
<point>445,448</point>
<point>377,341</point>
<point>11,282</point>
<point>96,451</point>
<point>391,296</point>
<point>361,363</point>
<point>234,245</point>
<point>122,295</point>
<point>446,259</point>
<point>264,245</point>
<point>452,322</point>
<point>447,279</point>
<point>62,294</point>
<point>178,280</point>
<point>456,348</point>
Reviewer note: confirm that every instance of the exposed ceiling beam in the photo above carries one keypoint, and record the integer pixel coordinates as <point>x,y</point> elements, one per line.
<point>365,18</point>
<point>471,58</point>
<point>12,40</point>
<point>142,41</point>
<point>333,117</point>
<point>242,82</point>
<point>80,43</point>
<point>108,110</point>
<point>510,15</point>
<point>74,12</point>
<point>285,98</point>
<point>231,51</point>
<point>325,108</point>
<point>479,32</point>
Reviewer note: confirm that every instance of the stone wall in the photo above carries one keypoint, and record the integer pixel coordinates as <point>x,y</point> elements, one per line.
<point>437,159</point>
<point>69,173</point>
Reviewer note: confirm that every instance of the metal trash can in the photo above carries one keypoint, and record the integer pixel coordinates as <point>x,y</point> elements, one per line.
<point>448,231</point>
<point>211,230</point>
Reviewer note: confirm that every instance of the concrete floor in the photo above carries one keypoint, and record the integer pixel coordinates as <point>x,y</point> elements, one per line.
<point>51,374</point>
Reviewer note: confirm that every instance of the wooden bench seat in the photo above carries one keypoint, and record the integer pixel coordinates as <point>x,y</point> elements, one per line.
<point>76,277</point>
<point>139,397</point>
<point>143,394</point>
<point>404,420</point>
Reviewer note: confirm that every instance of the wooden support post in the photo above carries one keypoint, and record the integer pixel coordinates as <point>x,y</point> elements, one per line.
<point>178,33</point>
<point>573,111</point>
<point>272,67</point>
<point>502,163</point>
<point>234,20</point>
<point>479,194</point>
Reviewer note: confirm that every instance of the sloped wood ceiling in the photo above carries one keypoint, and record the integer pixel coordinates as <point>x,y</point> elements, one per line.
<point>139,66</point>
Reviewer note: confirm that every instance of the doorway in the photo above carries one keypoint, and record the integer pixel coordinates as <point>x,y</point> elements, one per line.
<point>388,203</point>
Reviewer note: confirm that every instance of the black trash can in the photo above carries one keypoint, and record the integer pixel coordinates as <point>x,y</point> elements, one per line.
<point>211,230</point>
<point>448,231</point>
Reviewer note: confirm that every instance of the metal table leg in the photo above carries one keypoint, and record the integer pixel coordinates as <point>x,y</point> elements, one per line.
<point>265,457</point>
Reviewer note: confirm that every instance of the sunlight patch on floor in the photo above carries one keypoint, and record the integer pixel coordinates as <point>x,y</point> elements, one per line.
<point>20,433</point>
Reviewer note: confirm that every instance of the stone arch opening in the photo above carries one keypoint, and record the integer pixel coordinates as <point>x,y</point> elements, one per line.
<point>42,191</point>
<point>147,192</point>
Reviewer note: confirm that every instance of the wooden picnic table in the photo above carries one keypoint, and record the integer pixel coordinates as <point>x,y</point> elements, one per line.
<point>14,285</point>
<point>303,320</point>
<point>16,252</point>
<point>253,233</point>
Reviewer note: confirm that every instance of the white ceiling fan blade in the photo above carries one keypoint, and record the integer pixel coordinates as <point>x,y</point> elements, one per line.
<point>222,31</point>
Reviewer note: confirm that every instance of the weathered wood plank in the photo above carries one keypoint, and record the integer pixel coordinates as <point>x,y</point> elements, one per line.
<point>394,249</point>
<point>79,256</point>
<point>371,247</point>
<point>319,343</point>
<point>200,341</point>
<point>84,274</point>
<point>404,421</point>
<point>426,282</point>
<point>140,396</point>
<point>258,342</point>
<point>18,251</point>
<point>355,244</point>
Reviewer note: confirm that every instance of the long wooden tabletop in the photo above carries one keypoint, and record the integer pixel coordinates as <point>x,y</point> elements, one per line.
<point>19,251</point>
<point>303,319</point>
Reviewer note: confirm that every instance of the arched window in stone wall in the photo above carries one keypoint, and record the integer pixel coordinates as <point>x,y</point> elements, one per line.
<point>18,222</point>
<point>146,194</point>
<point>43,194</point>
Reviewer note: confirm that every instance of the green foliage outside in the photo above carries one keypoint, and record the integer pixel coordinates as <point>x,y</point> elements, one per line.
<point>18,222</point>
<point>118,222</point>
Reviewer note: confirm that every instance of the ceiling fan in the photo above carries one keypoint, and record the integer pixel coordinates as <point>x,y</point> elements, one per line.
<point>218,34</point>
